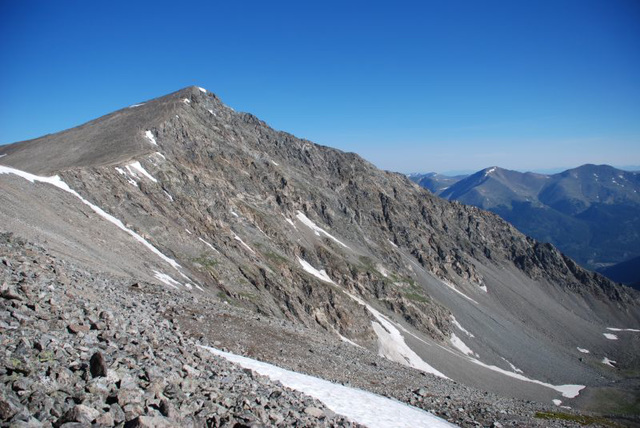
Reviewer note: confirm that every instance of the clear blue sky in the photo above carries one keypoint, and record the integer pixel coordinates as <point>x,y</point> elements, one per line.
<point>411,86</point>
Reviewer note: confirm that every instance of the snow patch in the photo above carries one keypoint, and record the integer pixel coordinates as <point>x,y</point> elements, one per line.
<point>203,90</point>
<point>57,182</point>
<point>382,270</point>
<point>569,391</point>
<point>136,105</point>
<point>166,279</point>
<point>392,244</point>
<point>187,230</point>
<point>129,179</point>
<point>455,322</point>
<point>461,346</point>
<point>237,238</point>
<point>233,213</point>
<point>557,402</point>
<point>350,342</point>
<point>610,336</point>
<point>359,406</point>
<point>168,195</point>
<point>451,286</point>
<point>211,111</point>
<point>290,222</point>
<point>320,274</point>
<point>151,138</point>
<point>136,166</point>
<point>186,101</point>
<point>316,229</point>
<point>275,163</point>
<point>608,362</point>
<point>584,351</point>
<point>483,288</point>
<point>623,329</point>
<point>209,245</point>
<point>513,368</point>
<point>391,344</point>
<point>161,155</point>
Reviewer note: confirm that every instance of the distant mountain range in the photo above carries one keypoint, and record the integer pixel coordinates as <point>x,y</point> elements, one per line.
<point>591,213</point>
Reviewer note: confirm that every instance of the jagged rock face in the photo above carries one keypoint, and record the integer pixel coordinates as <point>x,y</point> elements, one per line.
<point>282,226</point>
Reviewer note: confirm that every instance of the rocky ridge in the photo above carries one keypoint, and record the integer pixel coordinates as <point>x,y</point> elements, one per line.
<point>75,358</point>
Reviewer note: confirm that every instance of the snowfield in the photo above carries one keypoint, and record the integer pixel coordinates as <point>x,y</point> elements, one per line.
<point>360,406</point>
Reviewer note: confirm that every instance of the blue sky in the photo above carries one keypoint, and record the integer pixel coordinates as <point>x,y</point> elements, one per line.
<point>411,86</point>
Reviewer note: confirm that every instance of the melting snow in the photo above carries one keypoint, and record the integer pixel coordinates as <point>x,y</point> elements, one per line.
<point>168,195</point>
<point>320,274</point>
<point>129,179</point>
<point>290,222</point>
<point>608,362</point>
<point>483,288</point>
<point>186,101</point>
<point>569,391</point>
<point>211,111</point>
<point>514,368</point>
<point>136,165</point>
<point>391,344</point>
<point>151,138</point>
<point>584,351</point>
<point>209,245</point>
<point>461,346</point>
<point>166,279</point>
<point>237,238</point>
<point>557,402</point>
<point>455,322</point>
<point>610,336</point>
<point>317,230</point>
<point>57,182</point>
<point>359,406</point>
<point>451,286</point>
<point>623,329</point>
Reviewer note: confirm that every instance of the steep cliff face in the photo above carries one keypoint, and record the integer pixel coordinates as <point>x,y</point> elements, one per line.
<point>298,231</point>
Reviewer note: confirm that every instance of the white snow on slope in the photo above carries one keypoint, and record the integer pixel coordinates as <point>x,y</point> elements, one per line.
<point>1,156</point>
<point>129,179</point>
<point>569,391</point>
<point>513,368</point>
<point>202,89</point>
<point>608,362</point>
<point>161,155</point>
<point>186,101</point>
<point>363,407</point>
<point>320,274</point>
<point>275,163</point>
<point>461,346</point>
<point>234,213</point>
<point>209,245</point>
<point>557,402</point>
<point>453,287</point>
<point>188,231</point>
<point>136,105</point>
<point>57,182</point>
<point>391,344</point>
<point>584,351</point>
<point>623,329</point>
<point>610,336</point>
<point>455,322</point>
<point>136,166</point>
<point>316,229</point>
<point>151,138</point>
<point>166,279</point>
<point>237,238</point>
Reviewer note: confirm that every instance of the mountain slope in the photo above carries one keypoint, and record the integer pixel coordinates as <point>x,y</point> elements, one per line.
<point>590,213</point>
<point>231,209</point>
